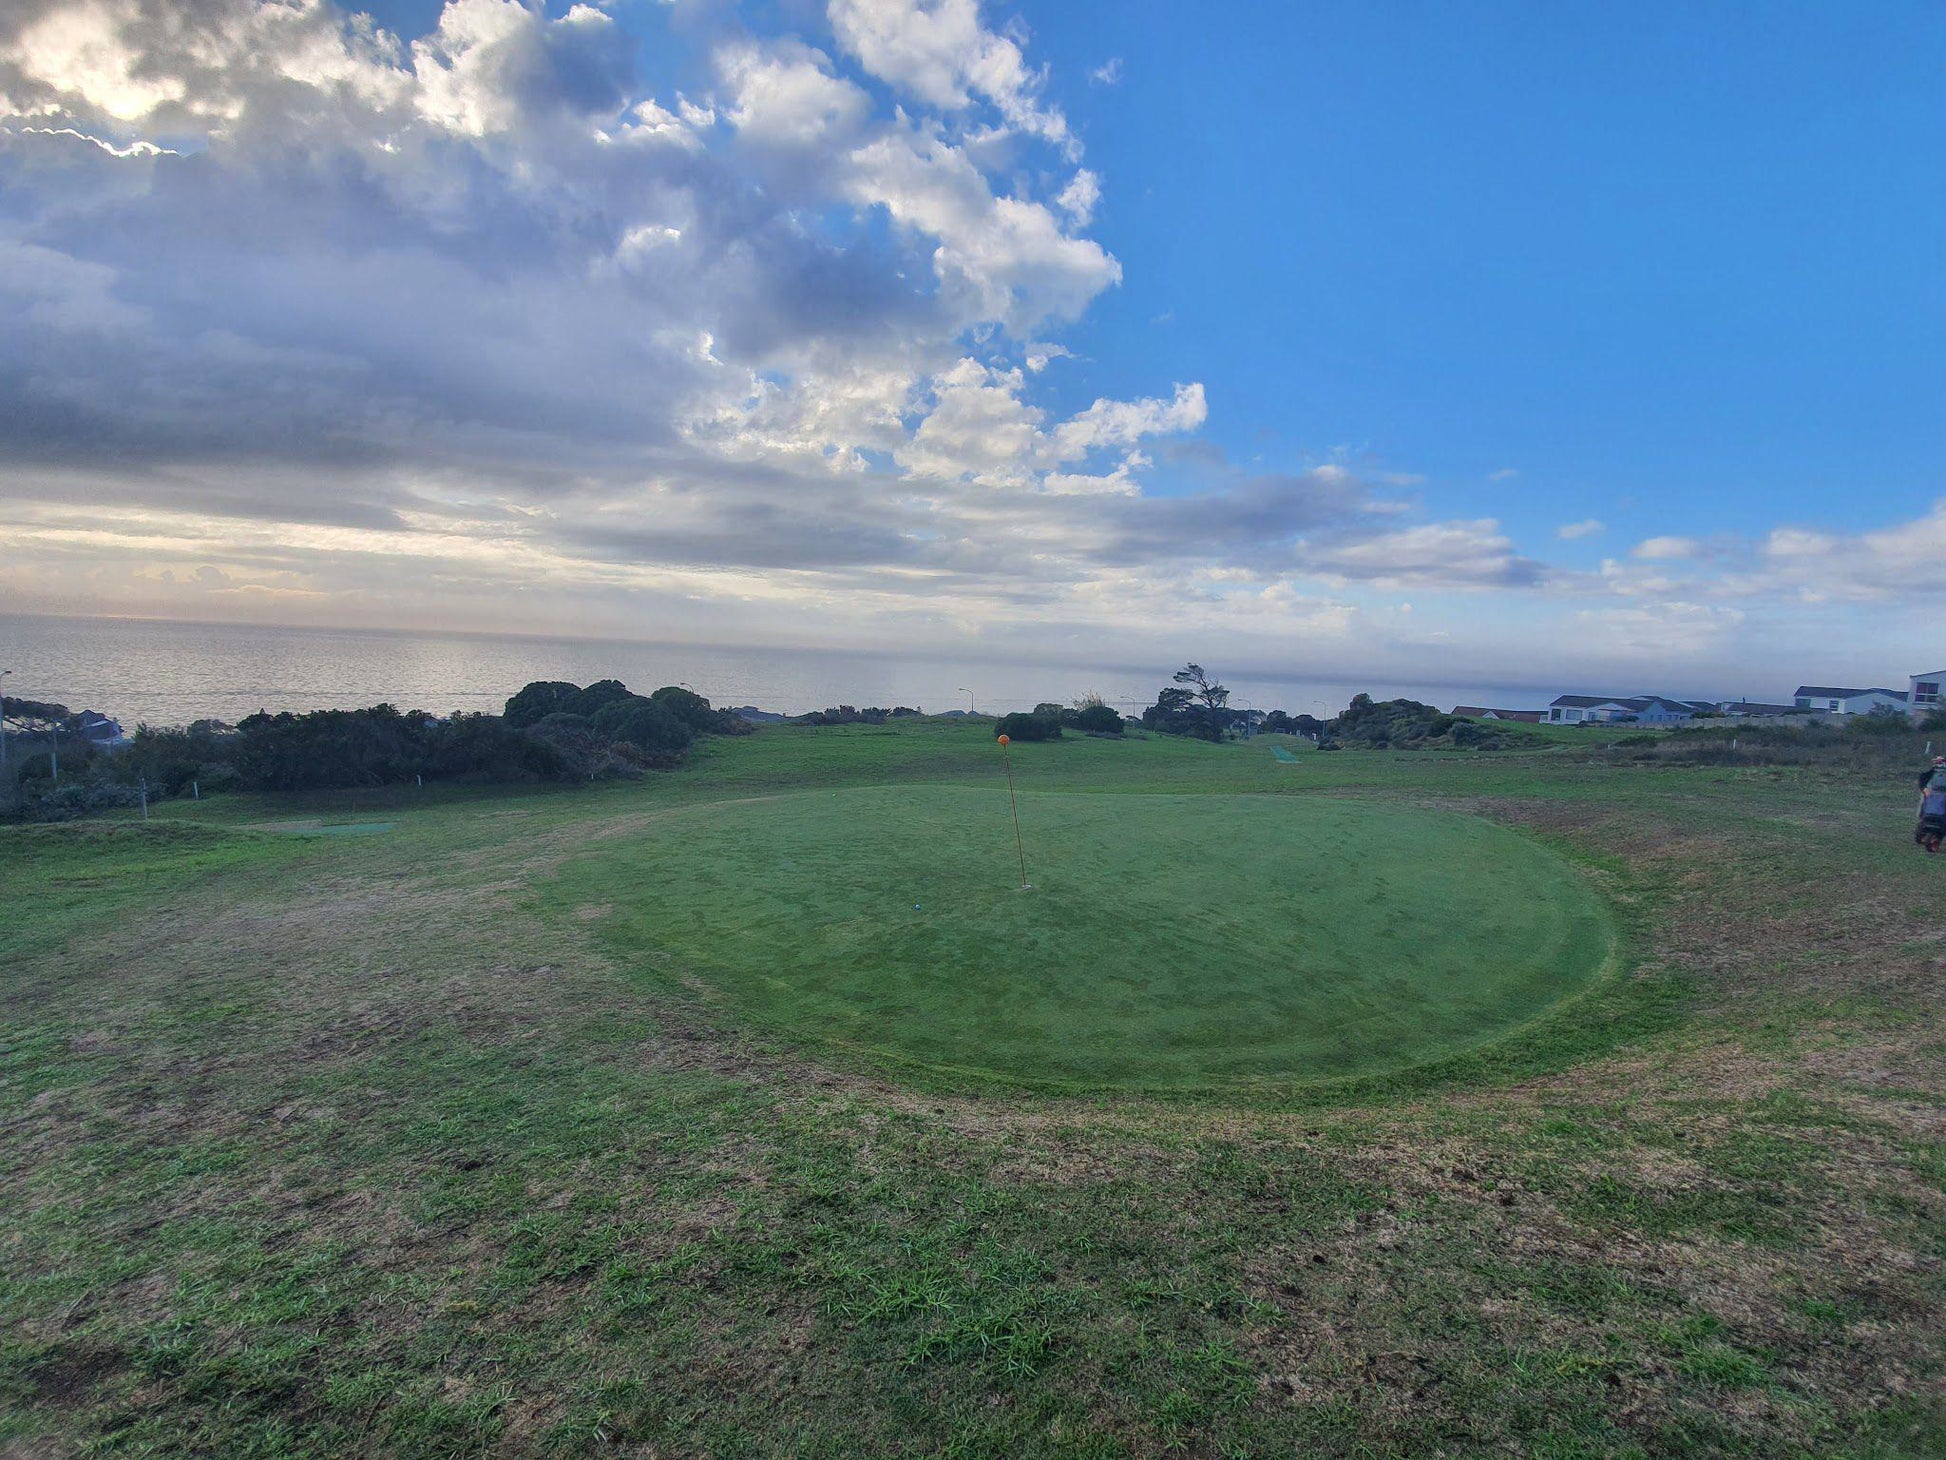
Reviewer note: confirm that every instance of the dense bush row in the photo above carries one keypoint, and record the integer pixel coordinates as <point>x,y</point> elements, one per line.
<point>549,731</point>
<point>1407,725</point>
<point>850,715</point>
<point>1047,720</point>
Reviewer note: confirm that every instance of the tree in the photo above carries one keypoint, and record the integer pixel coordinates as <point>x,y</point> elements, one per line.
<point>1208,693</point>
<point>536,701</point>
<point>1195,705</point>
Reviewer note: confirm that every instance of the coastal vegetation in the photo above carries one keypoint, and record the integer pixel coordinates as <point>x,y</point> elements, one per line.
<point>549,731</point>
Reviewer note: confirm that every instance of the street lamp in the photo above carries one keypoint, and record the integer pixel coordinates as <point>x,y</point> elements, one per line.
<point>969,698</point>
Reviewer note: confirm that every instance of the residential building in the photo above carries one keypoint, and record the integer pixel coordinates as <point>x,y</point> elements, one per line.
<point>1924,696</point>
<point>1836,700</point>
<point>1754,709</point>
<point>1625,709</point>
<point>98,729</point>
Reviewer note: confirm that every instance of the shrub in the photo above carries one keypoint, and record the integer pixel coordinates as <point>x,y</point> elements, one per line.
<point>1409,725</point>
<point>595,697</point>
<point>1022,725</point>
<point>487,748</point>
<point>852,715</point>
<point>169,759</point>
<point>585,755</point>
<point>331,748</point>
<point>1096,719</point>
<point>645,726</point>
<point>536,701</point>
<point>72,800</point>
<point>695,712</point>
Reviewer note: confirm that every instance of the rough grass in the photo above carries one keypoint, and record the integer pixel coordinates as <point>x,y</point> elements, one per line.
<point>337,1146</point>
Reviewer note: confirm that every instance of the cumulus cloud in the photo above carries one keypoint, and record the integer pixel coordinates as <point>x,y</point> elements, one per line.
<point>786,94</point>
<point>1574,531</point>
<point>940,52</point>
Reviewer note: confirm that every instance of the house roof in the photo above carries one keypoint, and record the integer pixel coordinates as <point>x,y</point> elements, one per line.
<point>1756,707</point>
<point>1828,692</point>
<point>1636,703</point>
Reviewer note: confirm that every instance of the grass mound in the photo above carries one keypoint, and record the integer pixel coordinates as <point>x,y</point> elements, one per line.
<point>1168,941</point>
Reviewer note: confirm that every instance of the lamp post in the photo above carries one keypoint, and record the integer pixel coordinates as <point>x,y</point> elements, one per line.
<point>969,698</point>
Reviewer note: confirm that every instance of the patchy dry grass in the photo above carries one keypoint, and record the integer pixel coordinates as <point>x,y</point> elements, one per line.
<point>339,1146</point>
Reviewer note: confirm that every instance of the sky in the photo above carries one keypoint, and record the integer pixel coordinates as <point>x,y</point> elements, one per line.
<point>1587,346</point>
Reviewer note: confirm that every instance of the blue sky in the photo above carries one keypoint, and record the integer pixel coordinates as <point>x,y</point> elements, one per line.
<point>1679,266</point>
<point>1363,338</point>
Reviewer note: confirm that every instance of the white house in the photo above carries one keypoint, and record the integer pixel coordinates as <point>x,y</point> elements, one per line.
<point>1924,695</point>
<point>1834,700</point>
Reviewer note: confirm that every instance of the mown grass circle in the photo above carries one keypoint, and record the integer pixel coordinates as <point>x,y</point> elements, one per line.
<point>1168,940</point>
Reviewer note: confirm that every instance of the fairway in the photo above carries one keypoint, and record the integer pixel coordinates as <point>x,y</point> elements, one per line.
<point>1167,941</point>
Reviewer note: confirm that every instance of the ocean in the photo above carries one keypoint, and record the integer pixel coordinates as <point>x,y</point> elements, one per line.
<point>144,670</point>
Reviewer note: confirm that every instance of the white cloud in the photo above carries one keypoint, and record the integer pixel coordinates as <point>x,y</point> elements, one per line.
<point>77,50</point>
<point>1080,198</point>
<point>1112,423</point>
<point>1667,549</point>
<point>939,52</point>
<point>492,64</point>
<point>999,258</point>
<point>1432,555</point>
<point>1108,73</point>
<point>786,95</point>
<point>1573,531</point>
<point>978,428</point>
<point>1899,562</point>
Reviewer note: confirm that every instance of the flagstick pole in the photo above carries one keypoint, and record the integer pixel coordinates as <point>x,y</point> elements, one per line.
<point>1006,755</point>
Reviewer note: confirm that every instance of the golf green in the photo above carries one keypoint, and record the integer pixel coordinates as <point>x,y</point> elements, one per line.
<point>1167,940</point>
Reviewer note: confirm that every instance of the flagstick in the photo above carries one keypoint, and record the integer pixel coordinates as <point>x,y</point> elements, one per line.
<point>1019,846</point>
